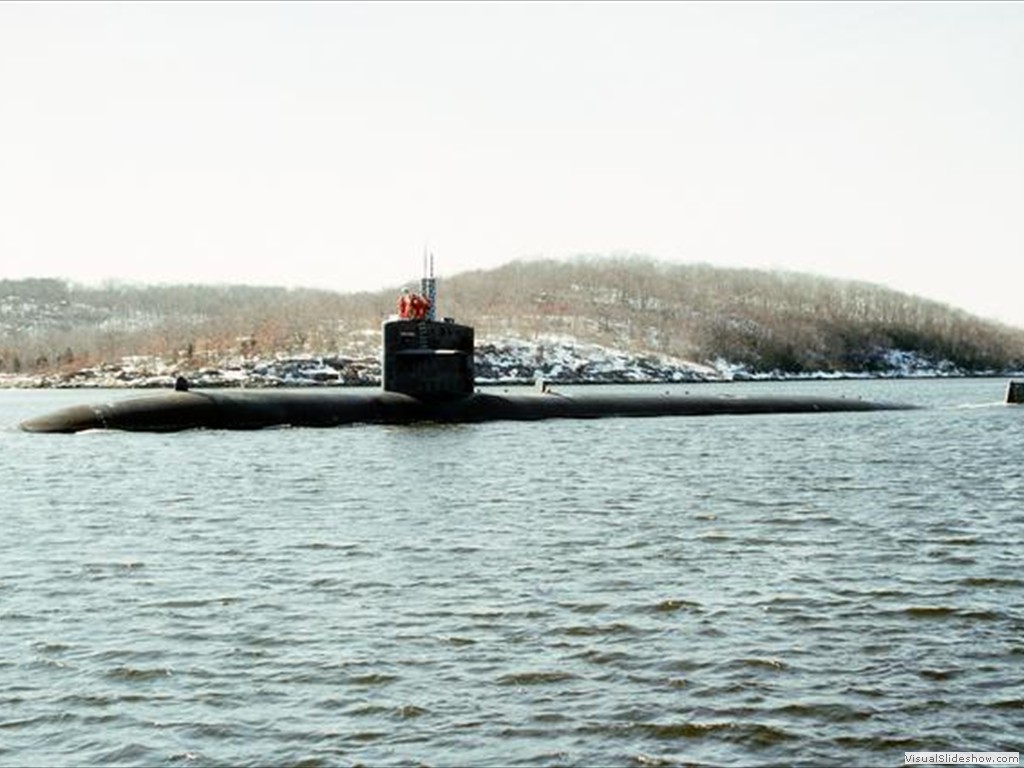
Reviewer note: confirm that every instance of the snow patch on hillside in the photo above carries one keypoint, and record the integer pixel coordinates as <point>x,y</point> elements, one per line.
<point>498,360</point>
<point>564,360</point>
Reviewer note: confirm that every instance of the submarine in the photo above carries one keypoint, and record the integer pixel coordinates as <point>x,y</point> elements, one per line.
<point>428,376</point>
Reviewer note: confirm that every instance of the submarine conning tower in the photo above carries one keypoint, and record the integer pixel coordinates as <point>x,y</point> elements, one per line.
<point>428,360</point>
<point>422,357</point>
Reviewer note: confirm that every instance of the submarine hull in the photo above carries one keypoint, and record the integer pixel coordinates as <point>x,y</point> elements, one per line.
<point>176,411</point>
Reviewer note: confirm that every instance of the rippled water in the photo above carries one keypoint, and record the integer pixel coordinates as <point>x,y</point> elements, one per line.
<point>825,589</point>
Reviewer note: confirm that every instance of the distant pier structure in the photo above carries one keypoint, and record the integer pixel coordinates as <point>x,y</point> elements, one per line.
<point>1015,392</point>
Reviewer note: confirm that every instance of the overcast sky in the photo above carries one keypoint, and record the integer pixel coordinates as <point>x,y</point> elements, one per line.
<point>326,144</point>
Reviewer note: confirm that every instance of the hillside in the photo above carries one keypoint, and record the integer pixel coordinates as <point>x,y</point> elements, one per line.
<point>760,321</point>
<point>766,321</point>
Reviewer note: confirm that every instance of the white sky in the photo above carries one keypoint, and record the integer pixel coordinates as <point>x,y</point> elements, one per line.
<point>326,144</point>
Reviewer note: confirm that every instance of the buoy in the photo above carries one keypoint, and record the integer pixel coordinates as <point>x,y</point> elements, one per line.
<point>1015,393</point>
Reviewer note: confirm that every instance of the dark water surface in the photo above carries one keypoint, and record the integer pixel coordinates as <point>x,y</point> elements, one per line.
<point>809,589</point>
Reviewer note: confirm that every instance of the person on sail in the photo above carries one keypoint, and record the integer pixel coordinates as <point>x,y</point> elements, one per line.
<point>418,306</point>
<point>412,306</point>
<point>404,300</point>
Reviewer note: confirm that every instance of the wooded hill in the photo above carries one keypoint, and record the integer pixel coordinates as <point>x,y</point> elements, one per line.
<point>766,320</point>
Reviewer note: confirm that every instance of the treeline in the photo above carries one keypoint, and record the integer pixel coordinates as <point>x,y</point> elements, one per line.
<point>766,320</point>
<point>48,325</point>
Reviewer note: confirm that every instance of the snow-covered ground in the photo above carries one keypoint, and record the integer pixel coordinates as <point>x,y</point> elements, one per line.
<point>559,360</point>
<point>563,360</point>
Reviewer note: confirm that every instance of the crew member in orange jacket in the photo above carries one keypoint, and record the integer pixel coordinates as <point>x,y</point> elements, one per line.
<point>412,306</point>
<point>418,306</point>
<point>404,300</point>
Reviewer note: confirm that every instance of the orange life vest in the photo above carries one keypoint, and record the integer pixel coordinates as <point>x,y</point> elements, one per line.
<point>404,305</point>
<point>418,307</point>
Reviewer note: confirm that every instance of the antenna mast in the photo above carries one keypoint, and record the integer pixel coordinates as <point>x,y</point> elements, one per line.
<point>428,286</point>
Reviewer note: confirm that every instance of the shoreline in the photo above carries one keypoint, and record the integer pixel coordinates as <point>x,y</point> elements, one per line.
<point>497,362</point>
<point>144,383</point>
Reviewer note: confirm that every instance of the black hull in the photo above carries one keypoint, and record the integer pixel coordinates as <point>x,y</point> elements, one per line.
<point>175,411</point>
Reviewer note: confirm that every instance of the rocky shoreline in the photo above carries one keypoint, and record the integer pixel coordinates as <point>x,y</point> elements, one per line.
<point>498,361</point>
